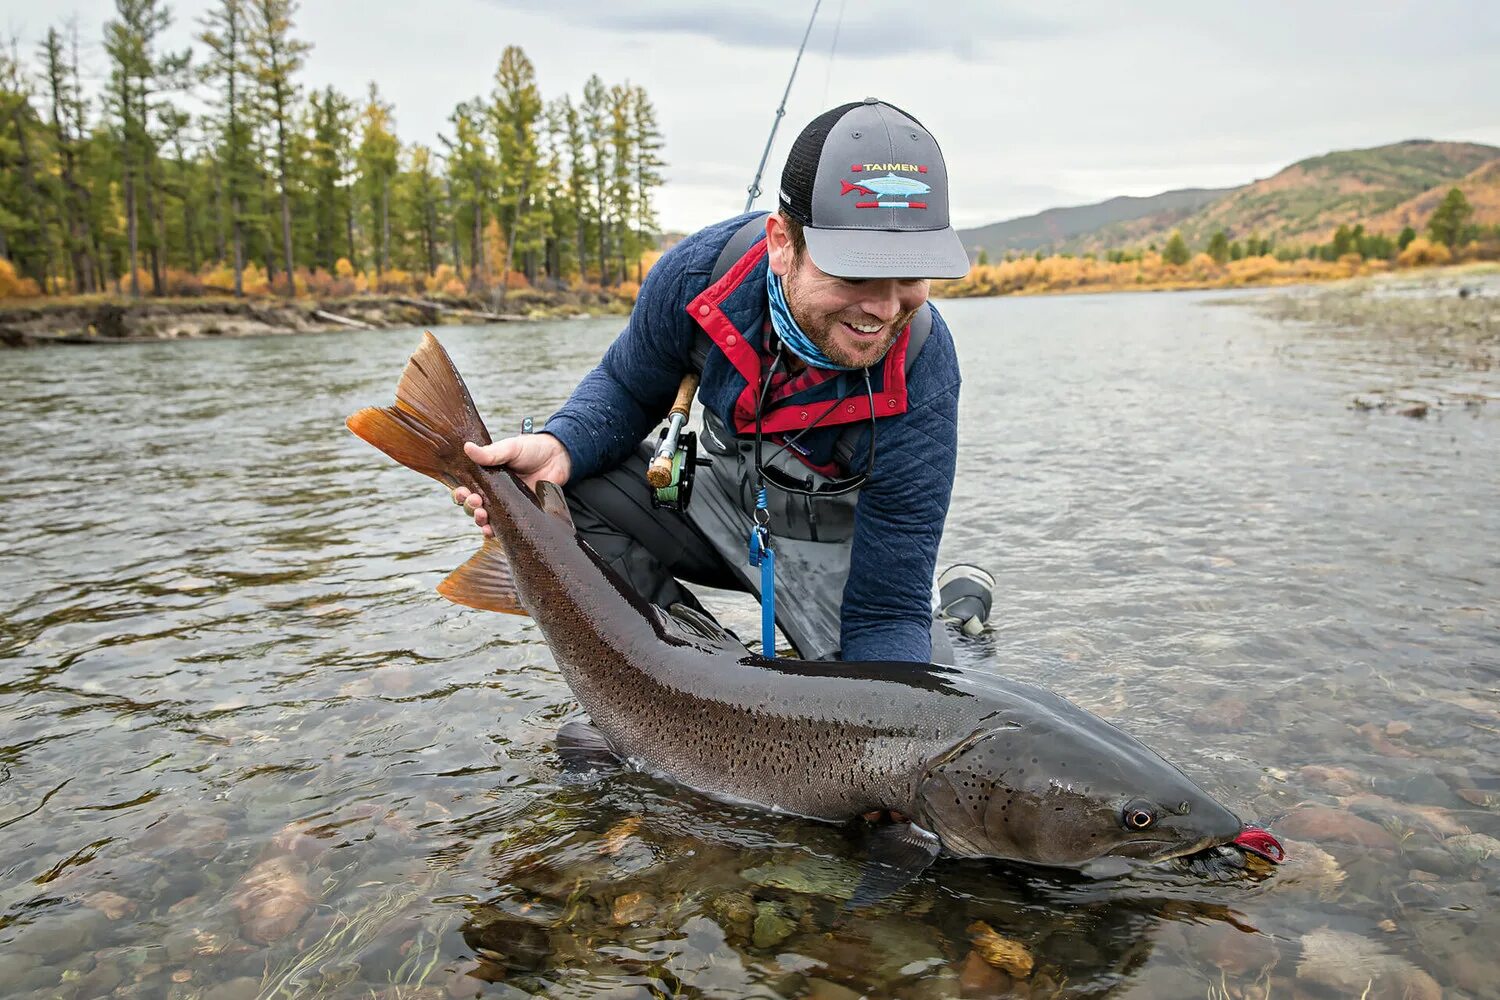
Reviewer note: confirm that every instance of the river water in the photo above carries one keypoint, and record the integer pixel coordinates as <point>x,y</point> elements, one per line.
<point>246,751</point>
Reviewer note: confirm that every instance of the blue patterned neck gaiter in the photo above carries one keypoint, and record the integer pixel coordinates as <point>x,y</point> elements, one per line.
<point>791,334</point>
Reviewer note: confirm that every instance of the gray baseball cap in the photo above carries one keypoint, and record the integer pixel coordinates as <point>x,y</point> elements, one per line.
<point>869,186</point>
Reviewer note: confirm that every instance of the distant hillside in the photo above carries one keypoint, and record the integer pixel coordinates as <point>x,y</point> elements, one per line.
<point>1057,226</point>
<point>1304,203</point>
<point>1481,188</point>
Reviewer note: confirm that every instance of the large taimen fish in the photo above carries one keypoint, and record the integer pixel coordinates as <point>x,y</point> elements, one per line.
<point>974,765</point>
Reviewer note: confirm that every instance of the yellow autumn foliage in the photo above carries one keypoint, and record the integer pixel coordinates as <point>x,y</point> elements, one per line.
<point>1029,276</point>
<point>1422,252</point>
<point>12,287</point>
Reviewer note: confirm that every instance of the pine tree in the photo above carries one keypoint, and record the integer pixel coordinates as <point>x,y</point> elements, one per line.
<point>594,112</point>
<point>138,75</point>
<point>65,99</point>
<point>377,158</point>
<point>227,71</point>
<point>275,59</point>
<point>646,145</point>
<point>1176,251</point>
<point>1450,219</point>
<point>1218,247</point>
<point>330,122</point>
<point>515,114</point>
<point>1404,239</point>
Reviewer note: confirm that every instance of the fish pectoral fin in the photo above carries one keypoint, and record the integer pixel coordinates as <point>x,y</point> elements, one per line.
<point>696,627</point>
<point>583,748</point>
<point>553,502</point>
<point>484,582</point>
<point>899,852</point>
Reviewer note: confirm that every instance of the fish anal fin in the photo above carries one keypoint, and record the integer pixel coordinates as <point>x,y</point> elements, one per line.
<point>583,748</point>
<point>484,582</point>
<point>552,500</point>
<point>899,852</point>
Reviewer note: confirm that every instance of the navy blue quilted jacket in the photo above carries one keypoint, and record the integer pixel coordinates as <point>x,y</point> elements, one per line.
<point>887,609</point>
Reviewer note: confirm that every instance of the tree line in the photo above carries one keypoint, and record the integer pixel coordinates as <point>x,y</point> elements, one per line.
<point>273,187</point>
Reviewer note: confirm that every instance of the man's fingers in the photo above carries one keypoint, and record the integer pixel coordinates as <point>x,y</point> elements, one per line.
<point>481,517</point>
<point>460,495</point>
<point>496,454</point>
<point>473,501</point>
<point>488,531</point>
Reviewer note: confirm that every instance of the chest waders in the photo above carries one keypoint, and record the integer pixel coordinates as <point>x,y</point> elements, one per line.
<point>810,535</point>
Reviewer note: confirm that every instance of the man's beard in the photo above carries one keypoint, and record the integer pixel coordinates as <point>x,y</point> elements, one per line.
<point>820,331</point>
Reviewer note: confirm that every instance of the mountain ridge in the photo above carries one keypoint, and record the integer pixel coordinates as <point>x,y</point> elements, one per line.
<point>1302,203</point>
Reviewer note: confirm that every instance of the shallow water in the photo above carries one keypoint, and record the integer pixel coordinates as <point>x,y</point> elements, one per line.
<point>246,751</point>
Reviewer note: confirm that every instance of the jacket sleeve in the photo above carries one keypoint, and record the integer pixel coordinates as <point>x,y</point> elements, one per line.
<point>887,609</point>
<point>631,389</point>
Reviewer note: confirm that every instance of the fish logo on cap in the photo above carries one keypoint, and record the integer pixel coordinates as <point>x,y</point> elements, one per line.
<point>889,186</point>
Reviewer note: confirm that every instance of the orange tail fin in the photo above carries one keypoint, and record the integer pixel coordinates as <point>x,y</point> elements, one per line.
<point>431,420</point>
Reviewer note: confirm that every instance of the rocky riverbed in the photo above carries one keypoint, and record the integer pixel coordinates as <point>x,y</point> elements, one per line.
<point>1427,338</point>
<point>112,320</point>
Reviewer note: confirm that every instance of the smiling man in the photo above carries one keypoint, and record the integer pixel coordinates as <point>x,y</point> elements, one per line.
<point>826,377</point>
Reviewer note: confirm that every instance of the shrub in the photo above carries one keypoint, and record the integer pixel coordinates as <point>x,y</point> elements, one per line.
<point>1422,252</point>
<point>12,287</point>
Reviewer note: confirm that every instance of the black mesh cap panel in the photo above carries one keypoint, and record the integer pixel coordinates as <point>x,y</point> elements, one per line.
<point>801,168</point>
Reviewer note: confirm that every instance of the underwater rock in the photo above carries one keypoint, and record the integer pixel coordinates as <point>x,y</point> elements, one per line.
<point>735,912</point>
<point>61,936</point>
<point>1307,868</point>
<point>1320,823</point>
<point>1359,967</point>
<point>1479,797</point>
<point>242,988</point>
<point>770,927</point>
<point>633,908</point>
<point>823,989</point>
<point>1379,743</point>
<point>807,875</point>
<point>1237,952</point>
<point>979,978</point>
<point>272,900</point>
<point>111,904</point>
<point>999,951</point>
<point>1337,780</point>
<point>619,835</point>
<point>1473,849</point>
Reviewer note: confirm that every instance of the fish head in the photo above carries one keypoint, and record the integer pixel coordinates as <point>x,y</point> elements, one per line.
<point>1066,795</point>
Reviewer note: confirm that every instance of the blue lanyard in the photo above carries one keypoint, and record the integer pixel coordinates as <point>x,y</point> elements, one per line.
<point>762,555</point>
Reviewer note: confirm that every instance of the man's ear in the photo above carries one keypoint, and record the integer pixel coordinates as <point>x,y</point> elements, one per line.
<point>779,241</point>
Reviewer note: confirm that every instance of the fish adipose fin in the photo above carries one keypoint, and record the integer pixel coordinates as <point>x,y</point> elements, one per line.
<point>550,496</point>
<point>899,852</point>
<point>484,582</point>
<point>431,420</point>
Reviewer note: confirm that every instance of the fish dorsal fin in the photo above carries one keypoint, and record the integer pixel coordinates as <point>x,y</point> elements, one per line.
<point>691,625</point>
<point>553,502</point>
<point>484,582</point>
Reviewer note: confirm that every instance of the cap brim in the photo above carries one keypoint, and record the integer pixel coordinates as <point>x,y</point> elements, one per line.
<point>881,253</point>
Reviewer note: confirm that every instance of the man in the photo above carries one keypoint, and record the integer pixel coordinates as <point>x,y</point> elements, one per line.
<point>826,378</point>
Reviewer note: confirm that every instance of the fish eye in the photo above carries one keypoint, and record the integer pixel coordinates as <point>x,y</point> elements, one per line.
<point>1138,816</point>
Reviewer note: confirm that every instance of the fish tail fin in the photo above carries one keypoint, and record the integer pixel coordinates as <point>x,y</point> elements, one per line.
<point>433,417</point>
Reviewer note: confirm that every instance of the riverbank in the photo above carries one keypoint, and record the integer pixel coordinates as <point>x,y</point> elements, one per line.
<point>98,319</point>
<point>1444,322</point>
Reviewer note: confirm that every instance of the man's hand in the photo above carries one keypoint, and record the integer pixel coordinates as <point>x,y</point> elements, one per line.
<point>533,457</point>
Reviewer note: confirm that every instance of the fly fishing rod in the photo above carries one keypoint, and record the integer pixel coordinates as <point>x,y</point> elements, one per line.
<point>754,188</point>
<point>670,474</point>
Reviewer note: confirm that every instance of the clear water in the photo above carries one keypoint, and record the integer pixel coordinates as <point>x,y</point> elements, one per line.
<point>246,751</point>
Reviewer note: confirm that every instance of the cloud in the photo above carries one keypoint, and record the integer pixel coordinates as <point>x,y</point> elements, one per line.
<point>878,29</point>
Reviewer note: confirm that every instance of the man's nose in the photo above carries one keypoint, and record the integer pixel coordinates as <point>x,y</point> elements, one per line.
<point>881,298</point>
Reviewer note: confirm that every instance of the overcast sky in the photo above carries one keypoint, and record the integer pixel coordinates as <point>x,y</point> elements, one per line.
<point>1035,105</point>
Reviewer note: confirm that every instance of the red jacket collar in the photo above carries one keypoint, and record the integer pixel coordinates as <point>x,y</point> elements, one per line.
<point>707,311</point>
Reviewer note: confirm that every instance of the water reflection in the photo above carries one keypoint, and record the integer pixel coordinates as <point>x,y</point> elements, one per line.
<point>245,751</point>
